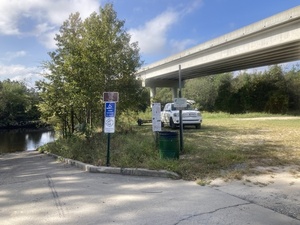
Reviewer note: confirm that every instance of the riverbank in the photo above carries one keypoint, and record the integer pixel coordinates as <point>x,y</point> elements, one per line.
<point>26,125</point>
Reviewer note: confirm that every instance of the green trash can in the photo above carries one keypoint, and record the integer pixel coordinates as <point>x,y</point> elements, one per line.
<point>168,145</point>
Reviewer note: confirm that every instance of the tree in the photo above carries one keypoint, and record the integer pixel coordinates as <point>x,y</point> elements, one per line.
<point>224,92</point>
<point>18,104</point>
<point>272,91</point>
<point>293,88</point>
<point>269,91</point>
<point>163,95</point>
<point>204,91</point>
<point>92,56</point>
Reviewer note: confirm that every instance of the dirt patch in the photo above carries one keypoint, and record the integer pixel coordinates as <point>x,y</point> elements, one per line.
<point>276,188</point>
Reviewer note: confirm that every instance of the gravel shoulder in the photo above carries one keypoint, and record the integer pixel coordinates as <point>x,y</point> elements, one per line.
<point>276,188</point>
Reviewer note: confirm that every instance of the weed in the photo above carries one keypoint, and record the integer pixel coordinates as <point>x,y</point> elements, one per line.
<point>226,146</point>
<point>203,182</point>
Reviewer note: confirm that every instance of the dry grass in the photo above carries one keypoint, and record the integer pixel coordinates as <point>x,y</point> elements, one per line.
<point>231,147</point>
<point>226,146</point>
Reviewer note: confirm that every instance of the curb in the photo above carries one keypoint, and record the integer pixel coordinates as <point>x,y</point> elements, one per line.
<point>116,170</point>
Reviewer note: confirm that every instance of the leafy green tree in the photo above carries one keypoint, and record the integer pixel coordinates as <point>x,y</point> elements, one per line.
<point>241,88</point>
<point>293,88</point>
<point>60,92</point>
<point>269,92</point>
<point>272,91</point>
<point>204,90</point>
<point>92,56</point>
<point>163,96</point>
<point>18,104</point>
<point>224,92</point>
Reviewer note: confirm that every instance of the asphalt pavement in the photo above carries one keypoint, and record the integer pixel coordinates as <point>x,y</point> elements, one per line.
<point>36,189</point>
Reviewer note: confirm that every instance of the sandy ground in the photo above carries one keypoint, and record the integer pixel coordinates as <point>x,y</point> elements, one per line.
<point>276,188</point>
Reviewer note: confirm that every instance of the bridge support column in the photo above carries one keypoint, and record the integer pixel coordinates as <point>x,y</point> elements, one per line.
<point>174,92</point>
<point>152,94</point>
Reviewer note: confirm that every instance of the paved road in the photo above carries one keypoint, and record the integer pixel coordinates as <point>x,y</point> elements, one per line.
<point>36,190</point>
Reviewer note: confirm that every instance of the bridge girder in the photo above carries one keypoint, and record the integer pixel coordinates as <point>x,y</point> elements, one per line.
<point>270,41</point>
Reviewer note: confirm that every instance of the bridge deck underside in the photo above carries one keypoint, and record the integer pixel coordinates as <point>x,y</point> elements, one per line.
<point>270,41</point>
<point>270,56</point>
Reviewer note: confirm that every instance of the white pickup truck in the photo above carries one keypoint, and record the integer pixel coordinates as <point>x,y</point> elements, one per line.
<point>190,116</point>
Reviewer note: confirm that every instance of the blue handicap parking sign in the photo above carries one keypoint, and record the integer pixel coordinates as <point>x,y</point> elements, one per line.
<point>110,109</point>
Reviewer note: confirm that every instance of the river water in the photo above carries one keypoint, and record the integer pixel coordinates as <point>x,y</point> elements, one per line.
<point>24,140</point>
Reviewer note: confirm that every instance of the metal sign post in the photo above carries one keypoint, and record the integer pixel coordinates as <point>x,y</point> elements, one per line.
<point>109,125</point>
<point>110,99</point>
<point>180,114</point>
<point>108,150</point>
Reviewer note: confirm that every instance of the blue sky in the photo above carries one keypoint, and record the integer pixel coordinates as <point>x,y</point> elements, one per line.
<point>162,27</point>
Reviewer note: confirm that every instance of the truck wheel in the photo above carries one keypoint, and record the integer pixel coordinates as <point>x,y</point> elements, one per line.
<point>198,126</point>
<point>140,122</point>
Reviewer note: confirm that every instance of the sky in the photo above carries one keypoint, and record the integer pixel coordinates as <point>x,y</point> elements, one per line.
<point>161,27</point>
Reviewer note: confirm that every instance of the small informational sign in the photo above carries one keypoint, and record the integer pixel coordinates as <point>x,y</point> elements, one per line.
<point>110,96</point>
<point>109,125</point>
<point>180,103</point>
<point>110,109</point>
<point>110,113</point>
<point>156,119</point>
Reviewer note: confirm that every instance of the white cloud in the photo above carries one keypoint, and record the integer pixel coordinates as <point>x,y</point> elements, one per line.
<point>21,73</point>
<point>8,18</point>
<point>13,55</point>
<point>61,10</point>
<point>191,6</point>
<point>47,39</point>
<point>47,15</point>
<point>42,28</point>
<point>152,37</point>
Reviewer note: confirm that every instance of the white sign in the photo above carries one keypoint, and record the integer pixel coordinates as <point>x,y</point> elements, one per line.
<point>156,120</point>
<point>109,125</point>
<point>109,113</point>
<point>180,102</point>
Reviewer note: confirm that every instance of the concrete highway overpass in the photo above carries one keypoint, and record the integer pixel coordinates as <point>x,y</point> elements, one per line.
<point>270,41</point>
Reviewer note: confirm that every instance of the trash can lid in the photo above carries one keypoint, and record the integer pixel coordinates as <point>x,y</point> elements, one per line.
<point>168,133</point>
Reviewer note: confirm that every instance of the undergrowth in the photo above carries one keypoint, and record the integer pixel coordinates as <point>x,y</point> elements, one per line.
<point>225,146</point>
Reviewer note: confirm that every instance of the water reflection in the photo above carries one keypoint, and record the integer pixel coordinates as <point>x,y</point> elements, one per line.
<point>24,140</point>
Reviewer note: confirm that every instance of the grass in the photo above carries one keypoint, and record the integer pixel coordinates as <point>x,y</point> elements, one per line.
<point>227,146</point>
